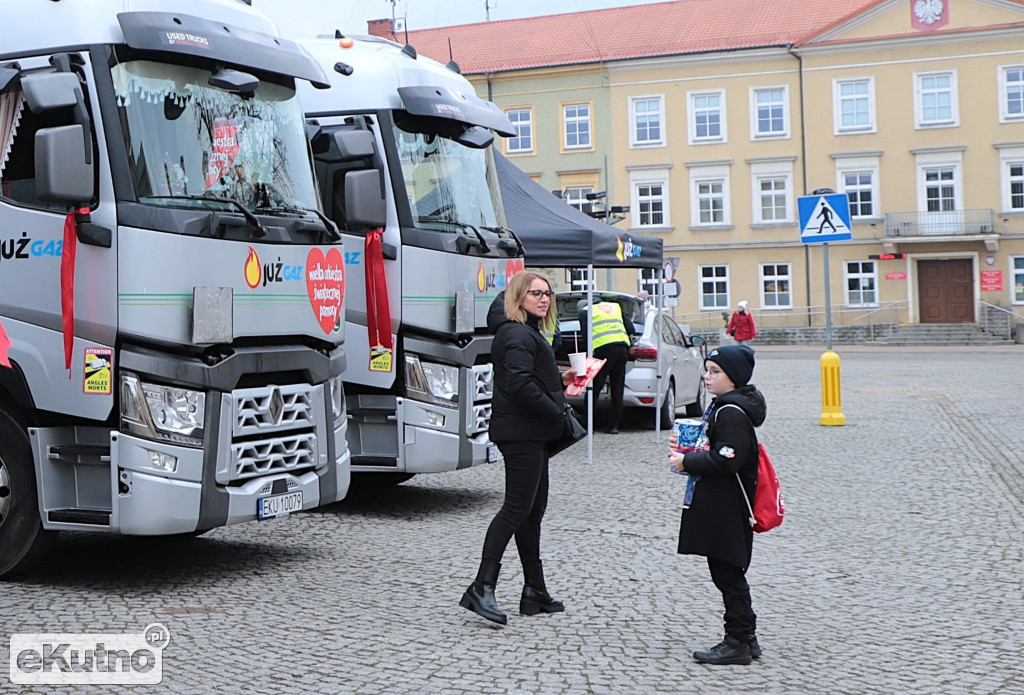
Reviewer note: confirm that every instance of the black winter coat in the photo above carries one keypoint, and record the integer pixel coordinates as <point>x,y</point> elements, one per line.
<point>528,400</point>
<point>717,523</point>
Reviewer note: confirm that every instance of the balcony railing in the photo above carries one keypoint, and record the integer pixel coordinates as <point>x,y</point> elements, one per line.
<point>952,223</point>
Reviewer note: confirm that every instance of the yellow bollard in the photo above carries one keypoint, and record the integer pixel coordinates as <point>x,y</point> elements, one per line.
<point>831,395</point>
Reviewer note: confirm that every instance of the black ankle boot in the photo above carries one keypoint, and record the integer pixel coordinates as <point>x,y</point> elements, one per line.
<point>731,650</point>
<point>536,598</point>
<point>479,597</point>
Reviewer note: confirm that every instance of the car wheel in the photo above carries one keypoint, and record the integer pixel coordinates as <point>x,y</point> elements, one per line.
<point>668,406</point>
<point>22,538</point>
<point>696,409</point>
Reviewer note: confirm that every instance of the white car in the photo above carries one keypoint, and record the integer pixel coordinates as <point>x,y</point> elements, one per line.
<point>681,357</point>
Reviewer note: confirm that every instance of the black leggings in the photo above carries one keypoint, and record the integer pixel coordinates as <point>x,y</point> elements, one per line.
<point>526,499</point>
<point>614,370</point>
<point>740,620</point>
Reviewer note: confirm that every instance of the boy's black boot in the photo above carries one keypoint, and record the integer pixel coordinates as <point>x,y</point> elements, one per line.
<point>536,598</point>
<point>479,597</point>
<point>731,650</point>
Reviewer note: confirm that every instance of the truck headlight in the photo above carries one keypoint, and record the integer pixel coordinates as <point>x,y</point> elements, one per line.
<point>336,394</point>
<point>431,382</point>
<point>163,413</point>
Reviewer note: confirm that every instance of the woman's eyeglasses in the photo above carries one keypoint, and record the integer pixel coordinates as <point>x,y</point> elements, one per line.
<point>537,294</point>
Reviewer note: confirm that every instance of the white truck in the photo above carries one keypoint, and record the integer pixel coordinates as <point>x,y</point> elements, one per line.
<point>425,264</point>
<point>171,294</point>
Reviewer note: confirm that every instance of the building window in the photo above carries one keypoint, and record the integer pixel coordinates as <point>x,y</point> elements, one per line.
<point>775,286</point>
<point>1012,90</point>
<point>859,188</point>
<point>649,279</point>
<point>711,202</point>
<point>1017,270</point>
<point>650,199</point>
<point>647,115</point>
<point>772,199</point>
<point>707,117</point>
<point>714,286</point>
<point>769,118</point>
<point>577,197</point>
<point>522,123</point>
<point>935,99</point>
<point>1016,180</point>
<point>854,105</point>
<point>578,280</point>
<point>940,189</point>
<point>861,282</point>
<point>576,118</point>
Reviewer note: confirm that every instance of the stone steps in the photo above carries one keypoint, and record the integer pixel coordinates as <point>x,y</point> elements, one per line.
<point>940,334</point>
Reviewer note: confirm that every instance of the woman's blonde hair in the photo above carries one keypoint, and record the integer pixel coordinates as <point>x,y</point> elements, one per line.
<point>515,293</point>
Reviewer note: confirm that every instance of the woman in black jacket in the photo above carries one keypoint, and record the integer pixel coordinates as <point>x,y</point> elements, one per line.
<point>526,416</point>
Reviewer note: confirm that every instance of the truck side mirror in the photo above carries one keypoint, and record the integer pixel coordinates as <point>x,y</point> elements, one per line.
<point>354,144</point>
<point>62,172</point>
<point>364,199</point>
<point>50,90</point>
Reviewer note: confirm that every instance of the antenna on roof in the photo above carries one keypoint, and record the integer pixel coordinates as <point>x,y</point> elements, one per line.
<point>487,8</point>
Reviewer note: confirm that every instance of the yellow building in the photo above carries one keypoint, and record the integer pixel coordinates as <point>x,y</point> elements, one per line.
<point>709,119</point>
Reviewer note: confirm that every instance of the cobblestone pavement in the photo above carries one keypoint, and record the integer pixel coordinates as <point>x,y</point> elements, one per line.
<point>899,568</point>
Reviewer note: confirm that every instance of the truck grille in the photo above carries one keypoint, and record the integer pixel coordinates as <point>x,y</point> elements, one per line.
<point>483,392</point>
<point>273,431</point>
<point>274,455</point>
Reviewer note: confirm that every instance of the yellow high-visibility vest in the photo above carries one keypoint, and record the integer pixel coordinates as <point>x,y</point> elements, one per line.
<point>606,324</point>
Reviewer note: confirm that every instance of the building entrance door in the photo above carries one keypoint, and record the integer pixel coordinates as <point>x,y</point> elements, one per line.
<point>945,291</point>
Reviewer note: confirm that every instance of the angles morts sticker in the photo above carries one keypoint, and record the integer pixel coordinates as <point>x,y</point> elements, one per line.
<point>325,284</point>
<point>99,364</point>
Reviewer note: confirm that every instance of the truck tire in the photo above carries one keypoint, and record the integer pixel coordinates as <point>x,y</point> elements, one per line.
<point>22,538</point>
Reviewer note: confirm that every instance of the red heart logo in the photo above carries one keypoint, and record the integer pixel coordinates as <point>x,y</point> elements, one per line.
<point>512,267</point>
<point>325,284</point>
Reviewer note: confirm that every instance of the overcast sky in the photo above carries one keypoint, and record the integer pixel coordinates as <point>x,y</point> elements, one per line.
<point>307,18</point>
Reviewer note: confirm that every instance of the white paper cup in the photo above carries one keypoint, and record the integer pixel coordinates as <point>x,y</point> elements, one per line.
<point>578,362</point>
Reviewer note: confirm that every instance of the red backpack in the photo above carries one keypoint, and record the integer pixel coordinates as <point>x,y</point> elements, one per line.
<point>768,509</point>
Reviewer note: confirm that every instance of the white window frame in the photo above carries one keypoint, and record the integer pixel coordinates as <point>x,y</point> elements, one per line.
<point>1005,87</point>
<point>837,105</point>
<point>578,120</point>
<point>940,160</point>
<point>704,174</point>
<point>578,280</point>
<point>860,275</point>
<point>1016,280</point>
<point>1010,157</point>
<point>755,121</point>
<point>633,140</point>
<point>519,126</point>
<point>722,301</point>
<point>649,177</point>
<point>859,165</point>
<point>764,279</point>
<point>920,95</point>
<point>761,171</point>
<point>576,196</point>
<point>694,110</point>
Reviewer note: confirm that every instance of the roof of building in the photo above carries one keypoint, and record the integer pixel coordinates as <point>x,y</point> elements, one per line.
<point>660,29</point>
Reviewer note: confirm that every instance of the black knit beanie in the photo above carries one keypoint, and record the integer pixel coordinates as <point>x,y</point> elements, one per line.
<point>737,361</point>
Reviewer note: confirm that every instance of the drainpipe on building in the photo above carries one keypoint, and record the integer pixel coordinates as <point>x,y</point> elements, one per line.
<point>803,168</point>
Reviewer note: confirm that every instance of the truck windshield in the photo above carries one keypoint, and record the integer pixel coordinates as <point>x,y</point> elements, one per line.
<point>187,139</point>
<point>448,183</point>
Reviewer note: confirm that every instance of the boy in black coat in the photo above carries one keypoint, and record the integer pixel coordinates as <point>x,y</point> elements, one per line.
<point>716,524</point>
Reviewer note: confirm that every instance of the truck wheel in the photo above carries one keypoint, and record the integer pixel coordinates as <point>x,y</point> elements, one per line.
<point>22,538</point>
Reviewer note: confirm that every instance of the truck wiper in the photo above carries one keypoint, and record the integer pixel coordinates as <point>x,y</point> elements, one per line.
<point>512,241</point>
<point>253,221</point>
<point>332,232</point>
<point>461,225</point>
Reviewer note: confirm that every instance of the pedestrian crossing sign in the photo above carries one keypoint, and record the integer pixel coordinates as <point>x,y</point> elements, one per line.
<point>824,218</point>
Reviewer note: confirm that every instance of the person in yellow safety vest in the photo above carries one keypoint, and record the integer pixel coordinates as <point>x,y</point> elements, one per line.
<point>612,333</point>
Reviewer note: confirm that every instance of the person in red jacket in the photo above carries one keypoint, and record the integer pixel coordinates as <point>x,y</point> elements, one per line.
<point>741,325</point>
